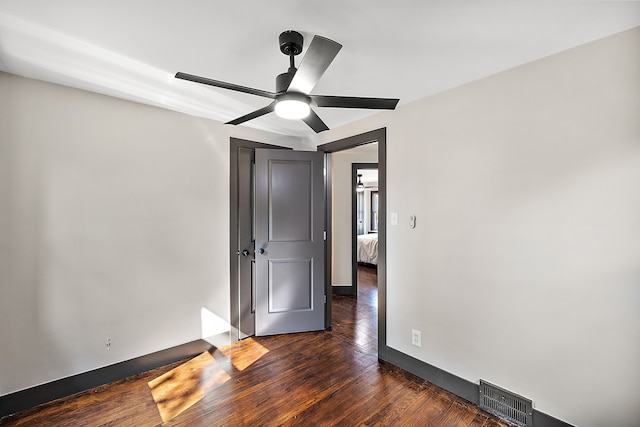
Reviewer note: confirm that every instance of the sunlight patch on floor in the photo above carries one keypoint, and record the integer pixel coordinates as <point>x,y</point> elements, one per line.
<point>244,353</point>
<point>182,387</point>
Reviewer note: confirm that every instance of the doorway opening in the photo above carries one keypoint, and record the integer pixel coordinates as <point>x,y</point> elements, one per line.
<point>277,240</point>
<point>377,140</point>
<point>365,203</point>
<point>377,137</point>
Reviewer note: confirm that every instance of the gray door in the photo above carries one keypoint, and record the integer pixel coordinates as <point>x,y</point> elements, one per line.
<point>289,245</point>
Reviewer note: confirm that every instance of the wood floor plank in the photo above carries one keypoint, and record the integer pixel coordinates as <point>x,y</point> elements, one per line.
<point>327,378</point>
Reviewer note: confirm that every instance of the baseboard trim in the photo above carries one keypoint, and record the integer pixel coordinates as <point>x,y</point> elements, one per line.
<point>34,396</point>
<point>452,383</point>
<point>343,290</point>
<point>540,419</point>
<point>443,379</point>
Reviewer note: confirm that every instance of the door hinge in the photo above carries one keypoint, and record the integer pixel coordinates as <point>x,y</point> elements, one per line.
<point>325,299</point>
<point>325,235</point>
<point>324,171</point>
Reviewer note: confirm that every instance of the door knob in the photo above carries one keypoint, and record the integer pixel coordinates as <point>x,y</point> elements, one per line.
<point>245,252</point>
<point>260,251</point>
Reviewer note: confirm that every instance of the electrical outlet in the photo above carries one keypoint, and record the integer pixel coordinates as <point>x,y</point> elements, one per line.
<point>416,338</point>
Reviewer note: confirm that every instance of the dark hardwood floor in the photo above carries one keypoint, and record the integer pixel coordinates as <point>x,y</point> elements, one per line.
<point>329,378</point>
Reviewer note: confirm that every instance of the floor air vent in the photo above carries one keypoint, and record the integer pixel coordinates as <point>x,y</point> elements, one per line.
<point>505,404</point>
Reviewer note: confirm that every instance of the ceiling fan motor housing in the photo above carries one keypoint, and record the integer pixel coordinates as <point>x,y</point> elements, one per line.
<point>291,42</point>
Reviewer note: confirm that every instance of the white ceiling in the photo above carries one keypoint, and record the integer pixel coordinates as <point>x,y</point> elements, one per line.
<point>404,49</point>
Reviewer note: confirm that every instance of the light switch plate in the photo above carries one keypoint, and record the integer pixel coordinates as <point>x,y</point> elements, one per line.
<point>394,218</point>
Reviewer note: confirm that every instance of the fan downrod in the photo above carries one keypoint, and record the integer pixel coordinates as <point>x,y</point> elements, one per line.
<point>291,45</point>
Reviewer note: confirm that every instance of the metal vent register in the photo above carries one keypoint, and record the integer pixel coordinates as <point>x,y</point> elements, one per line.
<point>505,404</point>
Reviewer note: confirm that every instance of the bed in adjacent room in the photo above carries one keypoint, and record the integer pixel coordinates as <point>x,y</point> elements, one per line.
<point>367,250</point>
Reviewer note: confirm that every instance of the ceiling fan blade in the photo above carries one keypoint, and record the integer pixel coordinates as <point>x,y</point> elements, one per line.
<point>224,85</point>
<point>319,56</point>
<point>261,112</point>
<point>355,102</point>
<point>315,122</point>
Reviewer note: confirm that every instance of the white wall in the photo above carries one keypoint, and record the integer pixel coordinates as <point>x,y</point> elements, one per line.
<point>114,220</point>
<point>341,203</point>
<point>528,229</point>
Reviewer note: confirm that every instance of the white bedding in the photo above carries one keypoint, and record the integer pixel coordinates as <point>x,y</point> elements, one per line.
<point>367,250</point>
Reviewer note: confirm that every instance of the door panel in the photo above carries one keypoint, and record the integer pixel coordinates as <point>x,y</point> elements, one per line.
<point>289,241</point>
<point>290,201</point>
<point>290,285</point>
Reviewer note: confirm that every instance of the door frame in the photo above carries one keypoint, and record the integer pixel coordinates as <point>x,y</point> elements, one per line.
<point>379,136</point>
<point>234,250</point>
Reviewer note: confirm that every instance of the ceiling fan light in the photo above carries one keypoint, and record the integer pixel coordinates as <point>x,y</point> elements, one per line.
<point>359,185</point>
<point>292,109</point>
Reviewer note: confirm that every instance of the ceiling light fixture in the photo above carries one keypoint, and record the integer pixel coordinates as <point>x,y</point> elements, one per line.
<point>359,185</point>
<point>292,105</point>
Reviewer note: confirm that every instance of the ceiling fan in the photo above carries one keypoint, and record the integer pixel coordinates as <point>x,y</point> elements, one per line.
<point>360,187</point>
<point>292,98</point>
